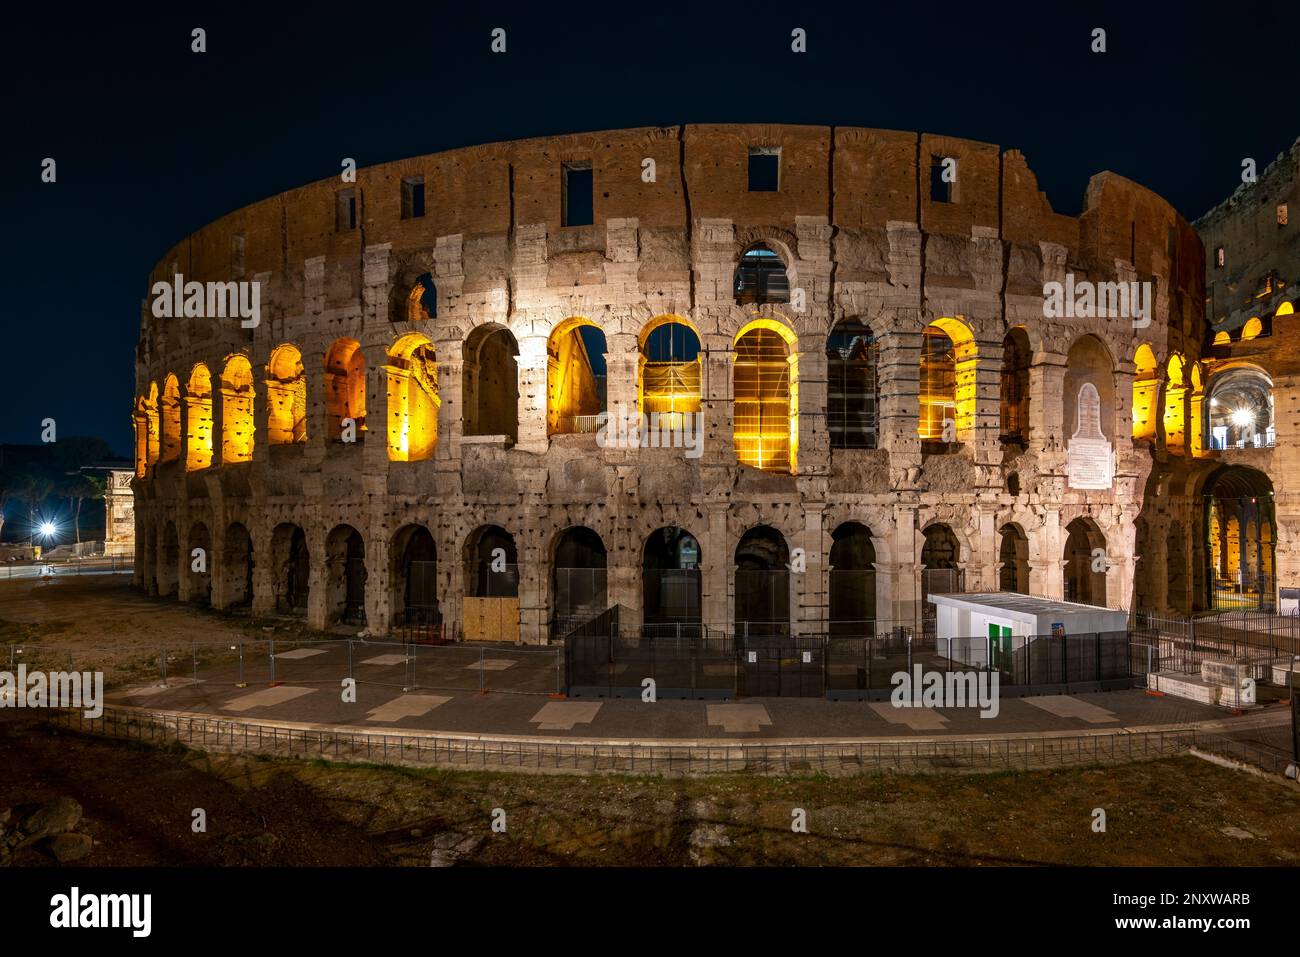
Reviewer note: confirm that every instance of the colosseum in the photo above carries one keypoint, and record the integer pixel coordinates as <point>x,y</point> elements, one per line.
<point>789,379</point>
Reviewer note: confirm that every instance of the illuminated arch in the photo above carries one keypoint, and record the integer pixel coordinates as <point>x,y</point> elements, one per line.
<point>1239,411</point>
<point>413,399</point>
<point>286,397</point>
<point>1146,388</point>
<point>1252,329</point>
<point>198,419</point>
<point>345,388</point>
<point>1222,338</point>
<point>170,412</point>
<point>949,358</point>
<point>575,393</point>
<point>766,389</point>
<point>1286,309</point>
<point>669,370</point>
<point>237,428</point>
<point>146,431</point>
<point>422,300</point>
<point>1175,417</point>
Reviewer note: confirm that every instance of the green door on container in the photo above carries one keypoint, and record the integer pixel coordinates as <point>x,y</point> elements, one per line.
<point>999,647</point>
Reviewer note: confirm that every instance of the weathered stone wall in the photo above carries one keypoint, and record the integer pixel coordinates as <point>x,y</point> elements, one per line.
<point>854,224</point>
<point>1259,280</point>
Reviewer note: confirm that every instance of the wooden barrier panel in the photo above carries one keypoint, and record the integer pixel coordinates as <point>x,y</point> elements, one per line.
<point>491,619</point>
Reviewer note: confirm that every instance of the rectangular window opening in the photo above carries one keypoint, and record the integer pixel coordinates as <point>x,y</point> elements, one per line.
<point>577,199</point>
<point>412,197</point>
<point>941,190</point>
<point>764,169</point>
<point>345,210</point>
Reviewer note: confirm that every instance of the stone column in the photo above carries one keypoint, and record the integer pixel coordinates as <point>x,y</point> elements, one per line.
<point>318,579</point>
<point>716,561</point>
<point>378,578</point>
<point>533,362</point>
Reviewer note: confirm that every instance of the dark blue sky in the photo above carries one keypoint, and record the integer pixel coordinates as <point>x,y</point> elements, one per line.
<point>153,141</point>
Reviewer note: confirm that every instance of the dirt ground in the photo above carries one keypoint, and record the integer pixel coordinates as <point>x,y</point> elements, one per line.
<point>106,625</point>
<point>139,803</point>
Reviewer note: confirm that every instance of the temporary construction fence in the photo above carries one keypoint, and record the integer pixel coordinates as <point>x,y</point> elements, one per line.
<point>406,666</point>
<point>443,749</point>
<point>604,661</point>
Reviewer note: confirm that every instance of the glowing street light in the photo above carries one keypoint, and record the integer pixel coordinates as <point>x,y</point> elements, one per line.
<point>47,529</point>
<point>1243,418</point>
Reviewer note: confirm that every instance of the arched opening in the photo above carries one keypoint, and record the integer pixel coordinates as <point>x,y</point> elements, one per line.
<point>237,429</point>
<point>940,568</point>
<point>146,431</point>
<point>345,391</point>
<point>413,399</point>
<point>1175,568</point>
<point>762,583</point>
<point>1222,338</point>
<point>199,566</point>
<point>1085,563</point>
<point>491,603</point>
<point>1253,329</point>
<point>1013,560</point>
<point>670,582</point>
<point>668,373</point>
<point>1017,357</point>
<point>345,576</point>
<point>1240,410</point>
<point>1175,404</point>
<point>491,383</point>
<point>422,300</point>
<point>414,596</point>
<point>169,556</point>
<point>170,410</point>
<point>947,387</point>
<point>761,277</point>
<point>1240,518</point>
<point>286,397</point>
<point>236,569</point>
<point>575,377</point>
<point>198,419</point>
<point>852,387</point>
<point>1089,369</point>
<point>291,568</point>
<point>1146,386</point>
<point>852,582</point>
<point>578,581</point>
<point>766,405</point>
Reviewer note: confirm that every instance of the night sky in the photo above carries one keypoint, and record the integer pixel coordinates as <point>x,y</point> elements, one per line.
<point>153,141</point>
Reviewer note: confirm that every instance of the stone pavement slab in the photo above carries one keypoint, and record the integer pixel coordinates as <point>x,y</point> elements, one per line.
<point>917,719</point>
<point>266,697</point>
<point>407,706</point>
<point>738,718</point>
<point>563,715</point>
<point>1064,706</point>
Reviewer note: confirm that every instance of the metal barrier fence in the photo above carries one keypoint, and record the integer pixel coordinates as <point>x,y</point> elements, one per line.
<point>551,754</point>
<point>601,662</point>
<point>96,565</point>
<point>406,666</point>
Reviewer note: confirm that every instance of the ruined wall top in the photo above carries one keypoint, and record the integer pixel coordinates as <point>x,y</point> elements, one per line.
<point>854,178</point>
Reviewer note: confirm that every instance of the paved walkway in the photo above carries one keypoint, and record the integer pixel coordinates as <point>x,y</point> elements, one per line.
<point>307,690</point>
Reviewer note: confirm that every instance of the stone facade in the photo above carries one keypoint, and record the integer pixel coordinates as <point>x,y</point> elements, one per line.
<point>1252,268</point>
<point>861,236</point>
